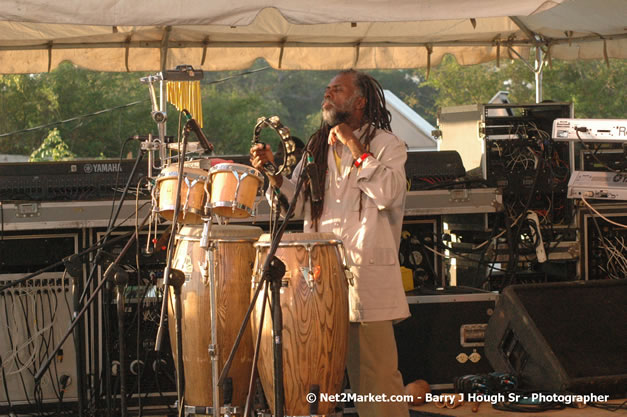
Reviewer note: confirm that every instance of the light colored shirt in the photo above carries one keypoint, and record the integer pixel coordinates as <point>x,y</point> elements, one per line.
<point>371,240</point>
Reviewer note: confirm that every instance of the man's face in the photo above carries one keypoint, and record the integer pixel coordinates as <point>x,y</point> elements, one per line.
<point>339,100</point>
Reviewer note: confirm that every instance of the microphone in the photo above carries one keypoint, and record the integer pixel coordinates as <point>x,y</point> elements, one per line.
<point>314,181</point>
<point>193,126</point>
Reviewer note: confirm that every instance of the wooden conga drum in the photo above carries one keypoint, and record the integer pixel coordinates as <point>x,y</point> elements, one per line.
<point>234,189</point>
<point>193,193</point>
<point>231,258</point>
<point>314,303</point>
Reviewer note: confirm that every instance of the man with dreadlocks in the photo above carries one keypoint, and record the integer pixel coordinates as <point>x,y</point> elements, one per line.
<point>362,166</point>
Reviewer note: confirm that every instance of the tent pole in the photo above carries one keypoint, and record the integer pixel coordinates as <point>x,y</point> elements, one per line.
<point>538,73</point>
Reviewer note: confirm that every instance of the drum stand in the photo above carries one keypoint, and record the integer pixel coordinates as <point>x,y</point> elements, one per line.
<point>209,276</point>
<point>272,274</point>
<point>207,271</point>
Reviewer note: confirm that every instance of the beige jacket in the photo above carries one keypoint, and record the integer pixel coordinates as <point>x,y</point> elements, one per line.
<point>372,241</point>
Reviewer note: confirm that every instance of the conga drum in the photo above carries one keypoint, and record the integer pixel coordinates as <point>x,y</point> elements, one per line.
<point>229,260</point>
<point>234,189</point>
<point>193,193</point>
<point>314,303</point>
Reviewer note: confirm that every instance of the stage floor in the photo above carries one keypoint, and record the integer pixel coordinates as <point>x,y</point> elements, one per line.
<point>486,410</point>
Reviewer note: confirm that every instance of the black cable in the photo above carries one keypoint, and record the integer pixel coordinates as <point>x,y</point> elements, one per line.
<point>528,408</point>
<point>607,250</point>
<point>56,383</point>
<point>483,254</point>
<point>1,221</point>
<point>593,154</point>
<point>17,359</point>
<point>45,345</point>
<point>10,336</point>
<point>42,349</point>
<point>117,179</point>
<point>4,384</point>
<point>512,264</point>
<point>609,406</point>
<point>72,119</point>
<point>65,292</point>
<point>53,315</point>
<point>157,374</point>
<point>446,184</point>
<point>39,394</point>
<point>426,257</point>
<point>139,302</point>
<point>123,106</point>
<point>106,329</point>
<point>458,253</point>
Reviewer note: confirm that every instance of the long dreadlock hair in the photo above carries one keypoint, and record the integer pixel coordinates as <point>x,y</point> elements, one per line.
<point>376,116</point>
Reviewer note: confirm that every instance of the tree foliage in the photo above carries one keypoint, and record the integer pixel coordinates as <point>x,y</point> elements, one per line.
<point>597,91</point>
<point>53,148</point>
<point>105,109</point>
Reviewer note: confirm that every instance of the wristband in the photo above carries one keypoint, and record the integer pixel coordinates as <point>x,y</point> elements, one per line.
<point>361,159</point>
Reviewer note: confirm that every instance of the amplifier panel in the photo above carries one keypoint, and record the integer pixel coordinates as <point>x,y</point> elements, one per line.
<point>35,315</point>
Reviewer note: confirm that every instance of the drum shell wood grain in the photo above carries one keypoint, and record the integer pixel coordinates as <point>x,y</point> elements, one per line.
<point>234,256</point>
<point>224,189</point>
<point>315,324</point>
<point>194,199</point>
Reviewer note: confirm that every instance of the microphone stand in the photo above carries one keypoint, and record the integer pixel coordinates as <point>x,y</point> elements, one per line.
<point>170,254</point>
<point>120,278</point>
<point>272,273</point>
<point>169,273</point>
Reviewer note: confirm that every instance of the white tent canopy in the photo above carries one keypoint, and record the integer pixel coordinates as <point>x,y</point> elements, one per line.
<point>409,125</point>
<point>147,35</point>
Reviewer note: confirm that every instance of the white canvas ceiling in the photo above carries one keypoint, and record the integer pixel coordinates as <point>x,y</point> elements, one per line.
<point>147,35</point>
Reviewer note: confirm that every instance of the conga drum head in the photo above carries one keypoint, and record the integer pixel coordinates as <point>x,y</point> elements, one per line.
<point>228,261</point>
<point>314,303</point>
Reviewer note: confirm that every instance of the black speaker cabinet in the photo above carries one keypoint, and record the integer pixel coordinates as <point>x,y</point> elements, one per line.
<point>569,336</point>
<point>444,337</point>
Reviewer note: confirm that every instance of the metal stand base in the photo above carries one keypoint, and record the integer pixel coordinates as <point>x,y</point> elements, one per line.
<point>226,411</point>
<point>336,414</point>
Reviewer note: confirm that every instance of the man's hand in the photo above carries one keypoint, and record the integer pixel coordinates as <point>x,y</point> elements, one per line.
<point>344,134</point>
<point>261,154</point>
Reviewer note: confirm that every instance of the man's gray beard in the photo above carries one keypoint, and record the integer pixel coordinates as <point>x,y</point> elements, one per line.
<point>333,117</point>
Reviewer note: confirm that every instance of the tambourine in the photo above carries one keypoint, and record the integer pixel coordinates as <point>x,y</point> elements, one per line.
<point>289,147</point>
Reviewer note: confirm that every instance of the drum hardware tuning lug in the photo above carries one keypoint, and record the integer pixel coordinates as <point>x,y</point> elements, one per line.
<point>285,282</point>
<point>347,271</point>
<point>189,190</point>
<point>310,270</point>
<point>213,350</point>
<point>204,272</point>
<point>204,239</point>
<point>239,182</point>
<point>349,276</point>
